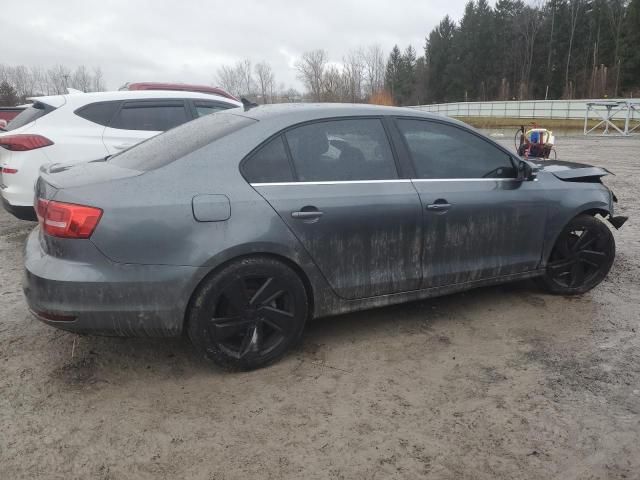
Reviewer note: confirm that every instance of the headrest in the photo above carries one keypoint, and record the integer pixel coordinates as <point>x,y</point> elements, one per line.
<point>316,142</point>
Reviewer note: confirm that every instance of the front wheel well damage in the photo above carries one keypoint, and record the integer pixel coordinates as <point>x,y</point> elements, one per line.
<point>287,261</point>
<point>617,222</point>
<point>594,211</point>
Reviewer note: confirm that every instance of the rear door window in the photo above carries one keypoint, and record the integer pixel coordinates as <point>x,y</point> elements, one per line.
<point>151,116</point>
<point>35,111</point>
<point>100,112</point>
<point>342,150</point>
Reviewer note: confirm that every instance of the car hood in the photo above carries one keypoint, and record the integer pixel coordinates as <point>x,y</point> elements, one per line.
<point>571,171</point>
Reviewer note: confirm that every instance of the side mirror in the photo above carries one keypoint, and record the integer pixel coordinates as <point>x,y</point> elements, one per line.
<point>526,171</point>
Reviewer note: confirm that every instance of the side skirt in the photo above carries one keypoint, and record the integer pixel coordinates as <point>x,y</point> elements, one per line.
<point>337,306</point>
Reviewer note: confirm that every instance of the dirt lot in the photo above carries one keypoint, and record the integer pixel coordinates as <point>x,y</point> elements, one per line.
<point>503,382</point>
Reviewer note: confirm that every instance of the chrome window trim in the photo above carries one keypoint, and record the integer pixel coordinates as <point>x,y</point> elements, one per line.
<point>463,179</point>
<point>336,182</point>
<point>400,180</point>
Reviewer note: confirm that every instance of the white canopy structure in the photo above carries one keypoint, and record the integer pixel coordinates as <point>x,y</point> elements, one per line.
<point>628,108</point>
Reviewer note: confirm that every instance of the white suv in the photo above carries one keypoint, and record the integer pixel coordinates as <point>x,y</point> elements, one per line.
<point>82,127</point>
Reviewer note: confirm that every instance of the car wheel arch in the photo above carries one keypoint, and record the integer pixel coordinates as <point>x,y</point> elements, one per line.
<point>274,256</point>
<point>592,211</point>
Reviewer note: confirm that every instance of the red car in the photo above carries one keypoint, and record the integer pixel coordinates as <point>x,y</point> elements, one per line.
<point>9,113</point>
<point>180,87</point>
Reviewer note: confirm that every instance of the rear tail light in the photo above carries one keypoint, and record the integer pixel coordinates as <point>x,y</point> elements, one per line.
<point>23,142</point>
<point>41,208</point>
<point>67,220</point>
<point>8,170</point>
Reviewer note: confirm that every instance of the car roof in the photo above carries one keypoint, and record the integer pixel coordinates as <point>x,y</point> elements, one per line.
<point>300,112</point>
<point>80,99</point>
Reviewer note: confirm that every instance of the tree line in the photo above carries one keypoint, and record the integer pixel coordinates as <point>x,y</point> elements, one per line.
<point>512,51</point>
<point>358,77</point>
<point>254,81</point>
<point>19,82</point>
<point>515,50</point>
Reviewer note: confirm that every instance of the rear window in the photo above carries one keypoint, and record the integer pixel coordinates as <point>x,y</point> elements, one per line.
<point>269,164</point>
<point>163,149</point>
<point>100,113</point>
<point>35,111</point>
<point>205,108</point>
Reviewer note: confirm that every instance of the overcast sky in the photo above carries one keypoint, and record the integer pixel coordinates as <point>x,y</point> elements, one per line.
<point>186,41</point>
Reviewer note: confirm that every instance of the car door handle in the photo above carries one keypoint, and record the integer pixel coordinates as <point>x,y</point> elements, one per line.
<point>439,207</point>
<point>305,215</point>
<point>123,146</point>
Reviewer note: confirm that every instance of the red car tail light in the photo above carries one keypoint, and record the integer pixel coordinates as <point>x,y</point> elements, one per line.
<point>9,170</point>
<point>67,220</point>
<point>41,208</point>
<point>23,142</point>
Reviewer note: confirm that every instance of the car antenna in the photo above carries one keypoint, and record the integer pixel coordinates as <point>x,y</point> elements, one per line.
<point>248,104</point>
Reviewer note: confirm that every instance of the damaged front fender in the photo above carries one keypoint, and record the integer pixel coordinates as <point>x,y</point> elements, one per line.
<point>574,172</point>
<point>618,221</point>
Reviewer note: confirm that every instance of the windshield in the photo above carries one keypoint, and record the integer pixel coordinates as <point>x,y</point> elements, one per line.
<point>165,148</point>
<point>35,111</point>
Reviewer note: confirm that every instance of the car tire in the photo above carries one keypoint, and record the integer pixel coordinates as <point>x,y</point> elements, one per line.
<point>249,313</point>
<point>581,257</point>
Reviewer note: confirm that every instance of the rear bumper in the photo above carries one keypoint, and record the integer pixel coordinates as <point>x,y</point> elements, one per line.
<point>20,212</point>
<point>106,298</point>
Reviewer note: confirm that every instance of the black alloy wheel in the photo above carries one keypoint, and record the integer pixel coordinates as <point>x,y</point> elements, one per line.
<point>581,258</point>
<point>249,314</point>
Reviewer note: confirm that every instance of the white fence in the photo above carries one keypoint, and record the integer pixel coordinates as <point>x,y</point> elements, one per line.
<point>563,109</point>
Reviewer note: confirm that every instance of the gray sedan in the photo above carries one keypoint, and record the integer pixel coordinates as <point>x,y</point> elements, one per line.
<point>240,226</point>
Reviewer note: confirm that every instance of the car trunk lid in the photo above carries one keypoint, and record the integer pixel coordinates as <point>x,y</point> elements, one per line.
<point>60,175</point>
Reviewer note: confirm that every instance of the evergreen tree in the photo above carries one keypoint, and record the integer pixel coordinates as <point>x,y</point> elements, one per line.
<point>407,85</point>
<point>630,50</point>
<point>8,95</point>
<point>575,48</point>
<point>438,51</point>
<point>393,72</point>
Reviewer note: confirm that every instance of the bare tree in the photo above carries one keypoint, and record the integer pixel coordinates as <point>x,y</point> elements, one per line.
<point>237,80</point>
<point>266,81</point>
<point>227,78</point>
<point>40,85</point>
<point>528,24</point>
<point>36,81</point>
<point>311,69</point>
<point>58,78</point>
<point>290,95</point>
<point>246,76</point>
<point>333,86</point>
<point>4,73</point>
<point>615,14</point>
<point>373,60</point>
<point>353,73</point>
<point>81,79</point>
<point>21,82</point>
<point>575,6</point>
<point>98,84</point>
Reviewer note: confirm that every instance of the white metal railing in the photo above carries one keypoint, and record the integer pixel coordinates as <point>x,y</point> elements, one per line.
<point>562,109</point>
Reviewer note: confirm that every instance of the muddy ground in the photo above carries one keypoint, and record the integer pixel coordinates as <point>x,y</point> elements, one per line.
<point>505,382</point>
